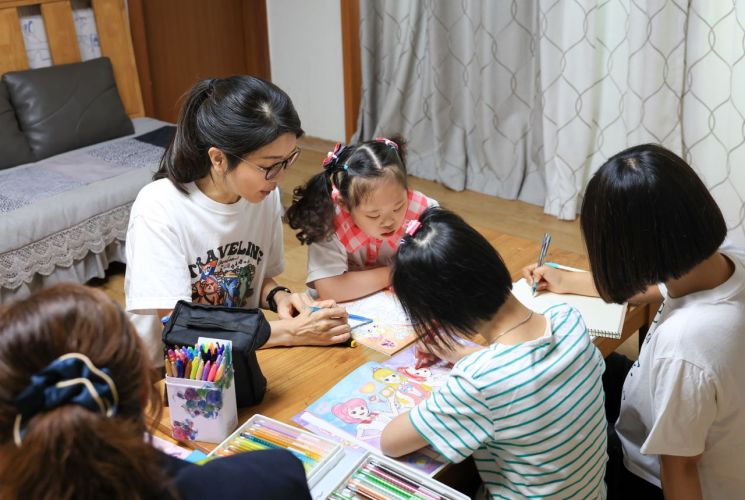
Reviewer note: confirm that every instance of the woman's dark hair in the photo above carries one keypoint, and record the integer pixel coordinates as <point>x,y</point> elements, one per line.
<point>71,452</point>
<point>448,277</point>
<point>349,170</point>
<point>237,115</point>
<point>647,218</point>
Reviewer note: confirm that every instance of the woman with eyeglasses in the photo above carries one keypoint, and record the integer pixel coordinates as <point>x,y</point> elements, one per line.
<point>209,228</point>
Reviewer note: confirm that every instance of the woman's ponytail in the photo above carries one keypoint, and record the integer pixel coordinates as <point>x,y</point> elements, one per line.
<point>185,159</point>
<point>312,210</point>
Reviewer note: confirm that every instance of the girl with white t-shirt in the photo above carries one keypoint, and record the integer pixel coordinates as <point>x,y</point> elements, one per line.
<point>654,233</point>
<point>529,406</point>
<point>209,228</point>
<point>353,215</point>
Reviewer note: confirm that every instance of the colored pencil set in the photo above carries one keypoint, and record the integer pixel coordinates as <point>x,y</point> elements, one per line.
<point>378,478</point>
<point>207,362</point>
<point>262,433</point>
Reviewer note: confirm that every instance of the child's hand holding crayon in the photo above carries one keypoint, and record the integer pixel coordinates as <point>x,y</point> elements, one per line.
<point>552,277</point>
<point>431,349</point>
<point>423,357</point>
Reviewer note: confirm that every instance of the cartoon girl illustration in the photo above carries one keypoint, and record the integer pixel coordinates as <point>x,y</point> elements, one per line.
<point>423,375</point>
<point>418,374</point>
<point>408,394</point>
<point>369,423</point>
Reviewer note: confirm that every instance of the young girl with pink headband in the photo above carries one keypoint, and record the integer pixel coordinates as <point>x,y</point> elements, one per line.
<point>353,215</point>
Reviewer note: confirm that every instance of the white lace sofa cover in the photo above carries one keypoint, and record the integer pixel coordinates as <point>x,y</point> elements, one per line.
<point>65,218</point>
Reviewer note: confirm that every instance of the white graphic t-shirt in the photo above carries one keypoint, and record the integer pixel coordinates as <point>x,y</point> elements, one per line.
<point>190,247</point>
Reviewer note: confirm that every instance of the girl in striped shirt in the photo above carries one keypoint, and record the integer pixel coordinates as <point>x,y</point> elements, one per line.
<point>529,407</point>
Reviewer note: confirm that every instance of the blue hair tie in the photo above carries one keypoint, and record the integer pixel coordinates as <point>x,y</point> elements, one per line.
<point>345,167</point>
<point>70,379</point>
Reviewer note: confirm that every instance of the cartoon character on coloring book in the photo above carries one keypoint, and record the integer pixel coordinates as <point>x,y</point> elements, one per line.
<point>424,376</point>
<point>369,423</point>
<point>408,394</point>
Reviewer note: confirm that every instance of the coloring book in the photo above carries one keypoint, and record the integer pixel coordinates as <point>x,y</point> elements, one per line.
<point>390,330</point>
<point>355,411</point>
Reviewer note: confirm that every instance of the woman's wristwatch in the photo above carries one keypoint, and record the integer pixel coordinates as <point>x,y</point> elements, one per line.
<point>270,296</point>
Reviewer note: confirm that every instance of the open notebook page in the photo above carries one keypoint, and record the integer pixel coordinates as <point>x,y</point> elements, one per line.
<point>601,319</point>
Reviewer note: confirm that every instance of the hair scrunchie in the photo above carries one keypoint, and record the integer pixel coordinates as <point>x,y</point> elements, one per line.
<point>70,379</point>
<point>410,229</point>
<point>332,157</point>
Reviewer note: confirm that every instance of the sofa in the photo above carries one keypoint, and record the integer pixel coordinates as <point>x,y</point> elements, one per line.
<point>71,164</point>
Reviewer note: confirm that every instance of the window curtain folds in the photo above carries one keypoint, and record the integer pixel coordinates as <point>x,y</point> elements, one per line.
<point>525,99</point>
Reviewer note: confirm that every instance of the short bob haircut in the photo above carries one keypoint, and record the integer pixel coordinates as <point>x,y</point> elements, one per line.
<point>448,278</point>
<point>647,218</point>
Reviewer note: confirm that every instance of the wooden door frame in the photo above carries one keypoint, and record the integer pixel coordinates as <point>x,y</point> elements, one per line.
<point>351,55</point>
<point>255,33</point>
<point>351,62</point>
<point>142,60</point>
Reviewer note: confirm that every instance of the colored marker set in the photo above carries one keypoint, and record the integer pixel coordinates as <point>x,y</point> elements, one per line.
<point>318,455</point>
<point>202,362</point>
<point>376,477</point>
<point>201,392</point>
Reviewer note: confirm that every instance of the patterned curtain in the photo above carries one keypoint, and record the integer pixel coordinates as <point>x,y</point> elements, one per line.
<point>525,99</point>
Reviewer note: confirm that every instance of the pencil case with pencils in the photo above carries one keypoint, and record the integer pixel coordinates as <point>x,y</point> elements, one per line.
<point>375,476</point>
<point>246,329</point>
<point>201,391</point>
<point>317,454</point>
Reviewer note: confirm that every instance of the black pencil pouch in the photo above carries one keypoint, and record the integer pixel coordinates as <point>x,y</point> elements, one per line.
<point>246,329</point>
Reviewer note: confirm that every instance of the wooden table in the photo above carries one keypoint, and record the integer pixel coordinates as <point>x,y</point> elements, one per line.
<point>298,376</point>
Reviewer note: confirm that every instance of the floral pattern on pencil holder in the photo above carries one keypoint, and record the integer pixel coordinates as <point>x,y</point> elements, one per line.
<point>206,401</point>
<point>184,431</point>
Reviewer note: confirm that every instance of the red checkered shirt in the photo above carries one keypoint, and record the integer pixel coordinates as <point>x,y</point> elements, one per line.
<point>353,238</point>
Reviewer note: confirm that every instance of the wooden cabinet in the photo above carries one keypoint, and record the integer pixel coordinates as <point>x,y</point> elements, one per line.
<point>178,42</point>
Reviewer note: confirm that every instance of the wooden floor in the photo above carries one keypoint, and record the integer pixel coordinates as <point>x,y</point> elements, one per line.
<point>512,217</point>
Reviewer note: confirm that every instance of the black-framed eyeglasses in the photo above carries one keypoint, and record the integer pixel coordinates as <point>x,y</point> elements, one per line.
<point>273,170</point>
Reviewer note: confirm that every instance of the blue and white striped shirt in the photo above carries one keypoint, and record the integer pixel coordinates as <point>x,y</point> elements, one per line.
<point>532,415</point>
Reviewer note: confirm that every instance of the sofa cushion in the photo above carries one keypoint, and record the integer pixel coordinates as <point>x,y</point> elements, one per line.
<point>13,144</point>
<point>67,106</point>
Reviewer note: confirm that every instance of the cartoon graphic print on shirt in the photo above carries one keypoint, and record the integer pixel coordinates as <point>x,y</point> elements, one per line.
<point>226,275</point>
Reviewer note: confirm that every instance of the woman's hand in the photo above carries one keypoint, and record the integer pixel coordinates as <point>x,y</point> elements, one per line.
<point>324,326</point>
<point>290,305</point>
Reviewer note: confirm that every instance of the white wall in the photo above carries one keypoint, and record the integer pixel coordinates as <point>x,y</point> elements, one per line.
<point>306,61</point>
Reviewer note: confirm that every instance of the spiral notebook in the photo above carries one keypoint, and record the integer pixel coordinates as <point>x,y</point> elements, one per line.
<point>602,319</point>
